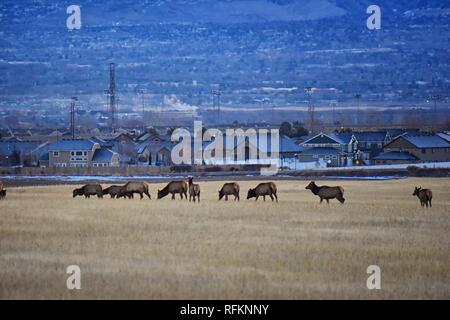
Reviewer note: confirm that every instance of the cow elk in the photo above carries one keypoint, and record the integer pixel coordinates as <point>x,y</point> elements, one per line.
<point>327,193</point>
<point>425,196</point>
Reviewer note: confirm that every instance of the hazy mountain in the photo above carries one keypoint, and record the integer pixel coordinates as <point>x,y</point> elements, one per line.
<point>254,49</point>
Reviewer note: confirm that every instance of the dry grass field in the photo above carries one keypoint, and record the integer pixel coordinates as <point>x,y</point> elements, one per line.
<point>163,249</point>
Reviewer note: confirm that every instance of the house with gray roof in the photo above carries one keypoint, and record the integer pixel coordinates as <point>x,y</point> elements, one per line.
<point>80,154</point>
<point>335,149</point>
<point>415,147</point>
<point>371,144</point>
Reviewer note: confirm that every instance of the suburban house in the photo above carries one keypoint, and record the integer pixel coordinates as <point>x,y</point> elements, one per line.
<point>415,147</point>
<point>153,150</point>
<point>335,149</point>
<point>371,144</point>
<point>79,154</point>
<point>122,144</point>
<point>155,154</point>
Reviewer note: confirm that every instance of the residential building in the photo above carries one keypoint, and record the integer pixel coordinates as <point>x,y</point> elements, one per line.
<point>80,154</point>
<point>414,147</point>
<point>335,149</point>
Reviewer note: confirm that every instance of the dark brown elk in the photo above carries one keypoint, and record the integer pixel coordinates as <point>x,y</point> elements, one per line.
<point>113,191</point>
<point>229,189</point>
<point>194,190</point>
<point>425,196</point>
<point>134,187</point>
<point>174,187</point>
<point>89,190</point>
<point>327,193</point>
<point>2,194</point>
<point>263,190</point>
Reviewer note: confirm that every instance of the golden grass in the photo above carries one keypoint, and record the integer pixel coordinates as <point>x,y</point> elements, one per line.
<point>163,249</point>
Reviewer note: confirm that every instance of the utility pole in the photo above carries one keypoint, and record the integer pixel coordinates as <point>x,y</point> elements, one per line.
<point>72,117</point>
<point>273,115</point>
<point>358,97</point>
<point>435,98</point>
<point>143,109</point>
<point>216,103</point>
<point>311,109</point>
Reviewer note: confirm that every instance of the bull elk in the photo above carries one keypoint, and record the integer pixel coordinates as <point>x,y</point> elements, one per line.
<point>194,190</point>
<point>263,190</point>
<point>425,196</point>
<point>229,189</point>
<point>327,193</point>
<point>174,187</point>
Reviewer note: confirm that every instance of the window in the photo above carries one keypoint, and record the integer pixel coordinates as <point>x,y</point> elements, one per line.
<point>78,156</point>
<point>56,153</point>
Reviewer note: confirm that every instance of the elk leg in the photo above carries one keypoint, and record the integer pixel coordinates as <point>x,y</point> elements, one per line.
<point>173,196</point>
<point>321,200</point>
<point>198,197</point>
<point>328,201</point>
<point>256,199</point>
<point>276,197</point>
<point>226,197</point>
<point>271,197</point>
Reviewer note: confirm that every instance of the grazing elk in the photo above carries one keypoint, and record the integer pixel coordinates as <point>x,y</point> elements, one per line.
<point>173,188</point>
<point>113,191</point>
<point>425,196</point>
<point>229,189</point>
<point>2,194</point>
<point>134,187</point>
<point>194,190</point>
<point>326,192</point>
<point>263,189</point>
<point>89,190</point>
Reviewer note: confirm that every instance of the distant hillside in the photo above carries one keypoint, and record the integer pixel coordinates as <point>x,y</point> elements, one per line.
<point>255,50</point>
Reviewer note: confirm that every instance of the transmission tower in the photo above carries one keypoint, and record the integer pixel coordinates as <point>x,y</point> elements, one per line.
<point>111,92</point>
<point>72,117</point>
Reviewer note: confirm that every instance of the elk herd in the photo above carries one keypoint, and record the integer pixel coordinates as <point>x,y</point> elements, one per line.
<point>182,188</point>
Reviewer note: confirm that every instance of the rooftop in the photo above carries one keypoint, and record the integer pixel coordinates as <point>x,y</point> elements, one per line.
<point>69,145</point>
<point>394,155</point>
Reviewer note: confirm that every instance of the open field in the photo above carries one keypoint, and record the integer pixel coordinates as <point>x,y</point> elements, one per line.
<point>163,249</point>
